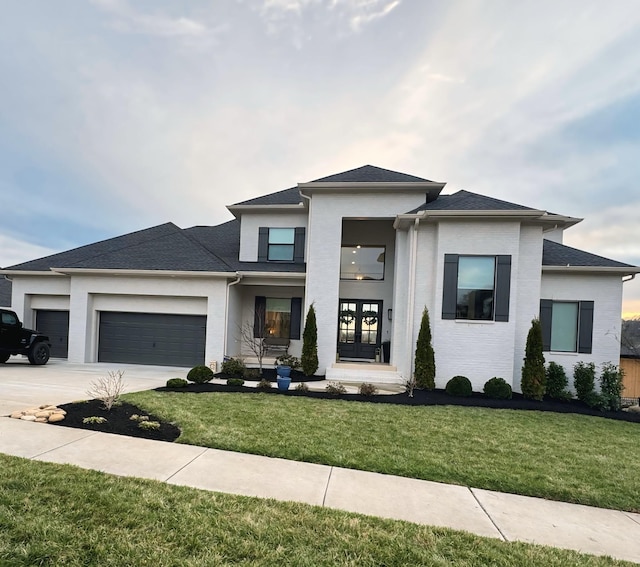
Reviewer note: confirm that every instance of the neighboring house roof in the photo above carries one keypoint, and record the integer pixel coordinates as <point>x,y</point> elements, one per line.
<point>556,254</point>
<point>5,292</point>
<point>371,174</point>
<point>467,201</point>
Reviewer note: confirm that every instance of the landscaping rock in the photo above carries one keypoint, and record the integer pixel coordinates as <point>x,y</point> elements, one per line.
<point>28,418</point>
<point>55,417</point>
<point>633,409</point>
<point>45,413</point>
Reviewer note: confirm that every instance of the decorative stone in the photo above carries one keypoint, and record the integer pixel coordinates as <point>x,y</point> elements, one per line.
<point>28,417</point>
<point>43,414</point>
<point>17,414</point>
<point>43,406</point>
<point>55,417</point>
<point>41,420</point>
<point>633,409</point>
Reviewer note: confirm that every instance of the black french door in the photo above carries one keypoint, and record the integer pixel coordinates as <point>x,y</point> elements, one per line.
<point>359,327</point>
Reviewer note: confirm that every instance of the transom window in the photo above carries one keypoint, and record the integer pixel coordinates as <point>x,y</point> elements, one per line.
<point>361,262</point>
<point>476,284</point>
<point>281,244</point>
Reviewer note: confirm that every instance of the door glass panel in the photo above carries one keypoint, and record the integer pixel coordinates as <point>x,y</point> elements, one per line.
<point>347,323</point>
<point>369,321</point>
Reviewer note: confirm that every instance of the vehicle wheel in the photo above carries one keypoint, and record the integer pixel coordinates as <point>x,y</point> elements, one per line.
<point>4,358</point>
<point>39,353</point>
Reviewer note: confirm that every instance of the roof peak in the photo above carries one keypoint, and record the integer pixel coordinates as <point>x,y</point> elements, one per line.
<point>371,174</point>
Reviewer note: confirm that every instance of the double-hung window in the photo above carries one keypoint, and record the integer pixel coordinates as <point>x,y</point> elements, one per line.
<point>476,287</point>
<point>567,326</point>
<point>276,244</point>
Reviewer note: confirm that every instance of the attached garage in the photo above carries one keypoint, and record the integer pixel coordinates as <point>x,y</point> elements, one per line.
<point>152,338</point>
<point>55,324</point>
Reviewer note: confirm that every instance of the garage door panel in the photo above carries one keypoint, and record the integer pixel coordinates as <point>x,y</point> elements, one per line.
<point>152,338</point>
<point>55,324</point>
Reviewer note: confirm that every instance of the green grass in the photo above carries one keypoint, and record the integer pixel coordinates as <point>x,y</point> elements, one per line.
<point>572,458</point>
<point>53,515</point>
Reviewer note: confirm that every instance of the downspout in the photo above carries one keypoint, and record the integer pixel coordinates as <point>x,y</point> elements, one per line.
<point>226,312</point>
<point>412,292</point>
<point>306,250</point>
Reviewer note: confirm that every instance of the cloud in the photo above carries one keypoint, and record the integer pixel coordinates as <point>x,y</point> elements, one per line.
<point>15,251</point>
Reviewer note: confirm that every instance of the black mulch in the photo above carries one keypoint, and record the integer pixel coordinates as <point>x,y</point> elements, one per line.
<point>119,422</point>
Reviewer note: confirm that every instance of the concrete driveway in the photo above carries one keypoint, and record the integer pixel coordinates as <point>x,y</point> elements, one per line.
<point>57,382</point>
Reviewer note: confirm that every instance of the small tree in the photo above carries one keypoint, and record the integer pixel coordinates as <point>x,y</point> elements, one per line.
<point>425,365</point>
<point>309,360</point>
<point>533,371</point>
<point>252,334</point>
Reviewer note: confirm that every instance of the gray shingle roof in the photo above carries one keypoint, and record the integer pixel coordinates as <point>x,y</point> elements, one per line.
<point>371,174</point>
<point>556,254</point>
<point>467,201</point>
<point>163,247</point>
<point>289,196</point>
<point>5,292</point>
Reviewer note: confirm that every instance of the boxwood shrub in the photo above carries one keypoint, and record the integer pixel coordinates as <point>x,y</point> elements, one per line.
<point>459,386</point>
<point>497,389</point>
<point>235,381</point>
<point>200,374</point>
<point>176,383</point>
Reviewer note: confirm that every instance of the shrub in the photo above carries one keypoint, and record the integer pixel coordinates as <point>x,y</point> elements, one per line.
<point>251,373</point>
<point>410,385</point>
<point>94,419</point>
<point>233,367</point>
<point>584,382</point>
<point>149,425</point>
<point>335,389</point>
<point>425,371</point>
<point>533,372</point>
<point>288,360</point>
<point>459,386</point>
<point>176,383</point>
<point>611,386</point>
<point>367,389</point>
<point>302,387</point>
<point>139,418</point>
<point>200,374</point>
<point>309,359</point>
<point>108,390</point>
<point>498,389</point>
<point>264,384</point>
<point>235,382</point>
<point>557,382</point>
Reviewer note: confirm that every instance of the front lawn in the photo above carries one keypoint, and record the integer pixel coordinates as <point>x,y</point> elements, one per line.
<point>572,458</point>
<point>54,515</point>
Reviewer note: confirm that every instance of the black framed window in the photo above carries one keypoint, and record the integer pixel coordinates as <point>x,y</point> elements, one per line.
<point>476,287</point>
<point>360,262</point>
<point>567,326</point>
<point>277,317</point>
<point>277,244</point>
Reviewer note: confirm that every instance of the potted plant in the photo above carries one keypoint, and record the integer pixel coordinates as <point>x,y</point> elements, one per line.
<point>284,365</point>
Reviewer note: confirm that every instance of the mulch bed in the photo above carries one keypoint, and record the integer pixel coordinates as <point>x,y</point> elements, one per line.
<point>119,422</point>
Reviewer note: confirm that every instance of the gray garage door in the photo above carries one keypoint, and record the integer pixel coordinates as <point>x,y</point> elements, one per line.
<point>55,324</point>
<point>152,338</point>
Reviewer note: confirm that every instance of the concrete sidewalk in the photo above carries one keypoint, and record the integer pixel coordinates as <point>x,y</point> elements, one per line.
<point>505,516</point>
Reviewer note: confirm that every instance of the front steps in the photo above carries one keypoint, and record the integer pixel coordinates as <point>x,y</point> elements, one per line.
<point>358,372</point>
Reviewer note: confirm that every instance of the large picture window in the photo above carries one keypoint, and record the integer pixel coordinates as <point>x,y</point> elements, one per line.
<point>362,262</point>
<point>567,326</point>
<point>476,287</point>
<point>277,317</point>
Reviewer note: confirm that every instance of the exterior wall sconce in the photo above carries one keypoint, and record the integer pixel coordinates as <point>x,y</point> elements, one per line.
<point>389,314</point>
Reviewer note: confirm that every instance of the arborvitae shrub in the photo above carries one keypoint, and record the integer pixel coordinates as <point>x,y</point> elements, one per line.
<point>533,372</point>
<point>425,365</point>
<point>557,382</point>
<point>200,374</point>
<point>498,389</point>
<point>309,359</point>
<point>584,375</point>
<point>459,386</point>
<point>176,383</point>
<point>611,386</point>
<point>233,367</point>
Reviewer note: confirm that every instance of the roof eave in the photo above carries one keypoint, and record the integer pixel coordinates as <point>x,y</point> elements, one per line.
<point>237,210</point>
<point>9,272</point>
<point>142,273</point>
<point>432,188</point>
<point>622,270</point>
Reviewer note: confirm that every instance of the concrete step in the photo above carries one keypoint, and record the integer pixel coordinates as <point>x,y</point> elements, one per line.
<point>363,372</point>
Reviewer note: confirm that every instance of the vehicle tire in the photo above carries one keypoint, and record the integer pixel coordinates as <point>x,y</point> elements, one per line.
<point>39,353</point>
<point>4,357</point>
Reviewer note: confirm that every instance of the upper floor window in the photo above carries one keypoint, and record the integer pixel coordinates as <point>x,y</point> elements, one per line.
<point>281,244</point>
<point>362,262</point>
<point>277,244</point>
<point>567,326</point>
<point>476,287</point>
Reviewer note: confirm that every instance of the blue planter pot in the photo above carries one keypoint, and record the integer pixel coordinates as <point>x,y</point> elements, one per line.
<point>284,371</point>
<point>283,383</point>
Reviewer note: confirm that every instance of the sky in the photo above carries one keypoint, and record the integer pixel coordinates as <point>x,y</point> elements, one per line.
<point>118,115</point>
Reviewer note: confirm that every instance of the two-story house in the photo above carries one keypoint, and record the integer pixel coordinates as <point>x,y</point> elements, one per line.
<point>370,248</point>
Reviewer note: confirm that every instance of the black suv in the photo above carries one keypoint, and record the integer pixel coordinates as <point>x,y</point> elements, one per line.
<point>15,339</point>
